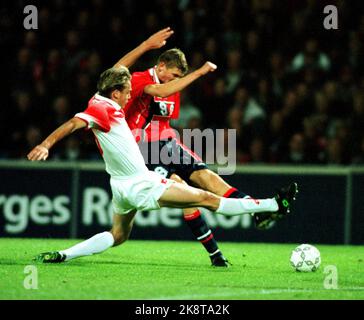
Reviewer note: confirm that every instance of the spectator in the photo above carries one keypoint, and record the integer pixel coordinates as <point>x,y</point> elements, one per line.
<point>311,57</point>
<point>296,150</point>
<point>357,119</point>
<point>257,151</point>
<point>276,137</point>
<point>253,112</point>
<point>314,142</point>
<point>334,152</point>
<point>234,121</point>
<point>72,150</point>
<point>33,137</point>
<point>233,73</point>
<point>359,157</point>
<point>215,104</point>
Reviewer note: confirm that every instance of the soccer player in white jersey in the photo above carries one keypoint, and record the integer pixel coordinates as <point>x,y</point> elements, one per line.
<point>133,186</point>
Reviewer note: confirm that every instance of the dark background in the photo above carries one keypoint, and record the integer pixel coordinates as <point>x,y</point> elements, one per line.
<point>293,91</point>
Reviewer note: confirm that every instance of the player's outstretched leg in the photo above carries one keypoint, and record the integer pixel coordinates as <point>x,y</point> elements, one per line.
<point>209,180</point>
<point>96,244</point>
<point>50,257</point>
<point>284,197</point>
<point>182,196</point>
<point>100,242</point>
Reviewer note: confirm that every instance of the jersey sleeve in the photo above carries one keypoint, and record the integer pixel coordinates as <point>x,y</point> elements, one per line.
<point>139,81</point>
<point>96,117</point>
<point>175,113</point>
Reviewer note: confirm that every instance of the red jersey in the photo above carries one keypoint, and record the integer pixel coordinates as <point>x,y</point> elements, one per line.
<point>147,116</point>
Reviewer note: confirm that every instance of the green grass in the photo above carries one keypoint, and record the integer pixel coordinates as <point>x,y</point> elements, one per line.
<point>177,270</point>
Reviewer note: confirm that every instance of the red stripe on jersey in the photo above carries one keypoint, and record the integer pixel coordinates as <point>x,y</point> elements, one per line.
<point>103,112</point>
<point>189,151</point>
<point>100,116</point>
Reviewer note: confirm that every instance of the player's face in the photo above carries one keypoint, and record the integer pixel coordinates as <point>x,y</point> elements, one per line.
<point>166,74</point>
<point>124,95</point>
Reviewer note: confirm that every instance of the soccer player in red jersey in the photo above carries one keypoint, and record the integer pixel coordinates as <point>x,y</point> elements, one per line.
<point>155,100</point>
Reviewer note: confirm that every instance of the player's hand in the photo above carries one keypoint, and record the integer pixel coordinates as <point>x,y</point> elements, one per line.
<point>159,39</point>
<point>207,67</point>
<point>38,153</point>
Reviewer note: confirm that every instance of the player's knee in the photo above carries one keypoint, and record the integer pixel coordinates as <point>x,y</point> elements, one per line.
<point>177,178</point>
<point>205,196</point>
<point>209,200</point>
<point>119,237</point>
<point>208,180</point>
<point>203,177</point>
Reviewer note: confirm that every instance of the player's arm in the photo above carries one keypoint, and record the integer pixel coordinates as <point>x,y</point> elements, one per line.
<point>41,151</point>
<point>169,88</point>
<point>155,41</point>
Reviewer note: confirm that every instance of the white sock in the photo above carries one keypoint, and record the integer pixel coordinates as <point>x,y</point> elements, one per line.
<point>96,244</point>
<point>233,207</point>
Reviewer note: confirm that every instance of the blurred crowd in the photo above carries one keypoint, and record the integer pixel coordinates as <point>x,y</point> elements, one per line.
<point>293,91</point>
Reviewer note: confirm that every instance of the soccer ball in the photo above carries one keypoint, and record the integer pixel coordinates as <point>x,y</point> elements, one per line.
<point>305,258</point>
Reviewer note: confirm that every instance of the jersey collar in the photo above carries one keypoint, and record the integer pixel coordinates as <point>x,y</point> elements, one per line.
<point>153,73</point>
<point>113,103</point>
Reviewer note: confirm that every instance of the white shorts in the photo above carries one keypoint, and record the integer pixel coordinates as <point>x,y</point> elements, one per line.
<point>141,192</point>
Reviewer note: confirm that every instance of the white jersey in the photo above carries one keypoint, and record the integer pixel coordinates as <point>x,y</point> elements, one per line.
<point>117,145</point>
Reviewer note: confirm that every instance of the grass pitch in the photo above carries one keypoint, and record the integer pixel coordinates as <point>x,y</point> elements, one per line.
<point>178,270</point>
